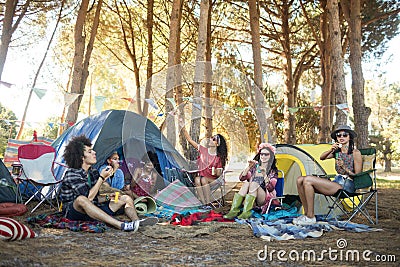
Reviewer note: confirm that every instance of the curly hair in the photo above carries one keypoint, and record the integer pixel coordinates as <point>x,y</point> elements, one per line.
<point>73,152</point>
<point>222,150</point>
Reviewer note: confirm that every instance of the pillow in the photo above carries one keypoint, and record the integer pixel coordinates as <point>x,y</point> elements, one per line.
<point>9,209</point>
<point>11,229</point>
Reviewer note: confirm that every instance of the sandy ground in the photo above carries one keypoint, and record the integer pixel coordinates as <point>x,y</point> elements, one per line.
<point>215,244</point>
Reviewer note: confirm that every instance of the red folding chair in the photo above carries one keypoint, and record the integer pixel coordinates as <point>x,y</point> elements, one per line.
<point>37,170</point>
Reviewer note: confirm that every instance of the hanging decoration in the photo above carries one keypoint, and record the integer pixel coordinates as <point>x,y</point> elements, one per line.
<point>70,98</point>
<point>39,92</point>
<point>99,102</point>
<point>152,103</point>
<point>6,84</point>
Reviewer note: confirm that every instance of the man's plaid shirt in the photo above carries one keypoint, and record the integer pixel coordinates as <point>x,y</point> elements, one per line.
<point>76,183</point>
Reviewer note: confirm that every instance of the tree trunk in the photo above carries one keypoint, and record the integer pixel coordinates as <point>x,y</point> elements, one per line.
<point>9,28</point>
<point>130,47</point>
<point>260,103</point>
<point>326,72</point>
<point>81,60</point>
<point>171,82</point>
<point>290,100</point>
<point>149,71</point>
<point>338,77</point>
<point>77,73</point>
<point>352,14</point>
<point>199,75</point>
<point>21,128</point>
<point>208,74</point>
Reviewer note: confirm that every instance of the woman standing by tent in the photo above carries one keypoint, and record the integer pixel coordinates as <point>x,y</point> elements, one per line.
<point>211,163</point>
<point>348,162</point>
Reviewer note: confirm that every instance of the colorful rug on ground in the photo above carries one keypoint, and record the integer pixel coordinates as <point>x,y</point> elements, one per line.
<point>56,220</point>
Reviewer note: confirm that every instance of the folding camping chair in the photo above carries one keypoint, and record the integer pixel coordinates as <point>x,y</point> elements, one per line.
<point>350,204</point>
<point>279,189</point>
<point>217,188</point>
<point>37,162</point>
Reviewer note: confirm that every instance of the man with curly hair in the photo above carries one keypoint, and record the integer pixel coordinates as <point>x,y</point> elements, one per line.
<point>80,190</point>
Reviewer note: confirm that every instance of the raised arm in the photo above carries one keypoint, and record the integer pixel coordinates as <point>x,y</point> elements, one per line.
<point>329,153</point>
<point>186,134</point>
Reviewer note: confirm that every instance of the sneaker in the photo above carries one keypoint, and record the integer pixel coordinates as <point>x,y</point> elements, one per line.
<point>306,221</point>
<point>206,207</point>
<point>295,220</point>
<point>148,221</point>
<point>130,226</point>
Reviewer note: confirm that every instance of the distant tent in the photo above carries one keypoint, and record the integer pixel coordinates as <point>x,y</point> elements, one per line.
<point>7,185</point>
<point>11,153</point>
<point>301,160</point>
<point>132,135</point>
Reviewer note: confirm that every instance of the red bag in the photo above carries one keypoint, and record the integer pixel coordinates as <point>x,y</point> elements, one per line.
<point>9,209</point>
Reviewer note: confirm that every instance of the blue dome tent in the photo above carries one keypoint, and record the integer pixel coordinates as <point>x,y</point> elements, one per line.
<point>132,135</point>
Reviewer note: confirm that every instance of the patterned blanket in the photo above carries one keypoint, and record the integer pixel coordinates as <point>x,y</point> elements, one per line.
<point>56,220</point>
<point>284,229</point>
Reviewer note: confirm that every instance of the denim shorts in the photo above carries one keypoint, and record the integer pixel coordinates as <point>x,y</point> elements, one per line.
<point>346,182</point>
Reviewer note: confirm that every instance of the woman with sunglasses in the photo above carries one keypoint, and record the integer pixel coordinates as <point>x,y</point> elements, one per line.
<point>211,163</point>
<point>348,161</point>
<point>259,181</point>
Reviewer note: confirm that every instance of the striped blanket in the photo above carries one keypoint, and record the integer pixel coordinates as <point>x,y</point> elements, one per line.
<point>56,220</point>
<point>177,196</point>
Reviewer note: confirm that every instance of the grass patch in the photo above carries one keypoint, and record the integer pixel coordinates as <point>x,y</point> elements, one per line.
<point>384,183</point>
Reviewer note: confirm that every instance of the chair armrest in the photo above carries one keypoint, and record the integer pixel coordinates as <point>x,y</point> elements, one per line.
<point>360,174</point>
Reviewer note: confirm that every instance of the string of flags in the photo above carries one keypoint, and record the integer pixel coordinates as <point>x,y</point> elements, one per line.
<point>344,107</point>
<point>99,101</point>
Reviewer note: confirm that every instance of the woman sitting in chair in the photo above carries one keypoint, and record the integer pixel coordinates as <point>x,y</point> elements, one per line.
<point>211,163</point>
<point>259,180</point>
<point>348,161</point>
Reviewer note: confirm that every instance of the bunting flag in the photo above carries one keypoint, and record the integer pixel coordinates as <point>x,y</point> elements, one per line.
<point>152,103</point>
<point>187,98</point>
<point>170,99</point>
<point>99,103</point>
<point>51,125</point>
<point>293,110</point>
<point>343,107</point>
<point>70,98</point>
<point>197,106</point>
<point>39,92</point>
<point>6,84</point>
<point>130,99</point>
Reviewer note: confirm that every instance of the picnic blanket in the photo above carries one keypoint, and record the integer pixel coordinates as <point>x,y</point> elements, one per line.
<point>284,229</point>
<point>56,220</point>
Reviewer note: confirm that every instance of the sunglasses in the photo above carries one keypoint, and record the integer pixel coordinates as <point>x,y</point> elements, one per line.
<point>342,134</point>
<point>215,138</point>
<point>264,154</point>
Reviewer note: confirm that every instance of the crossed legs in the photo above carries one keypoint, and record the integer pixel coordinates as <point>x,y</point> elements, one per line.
<point>308,185</point>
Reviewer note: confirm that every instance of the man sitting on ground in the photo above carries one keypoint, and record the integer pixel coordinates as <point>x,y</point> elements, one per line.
<point>80,190</point>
